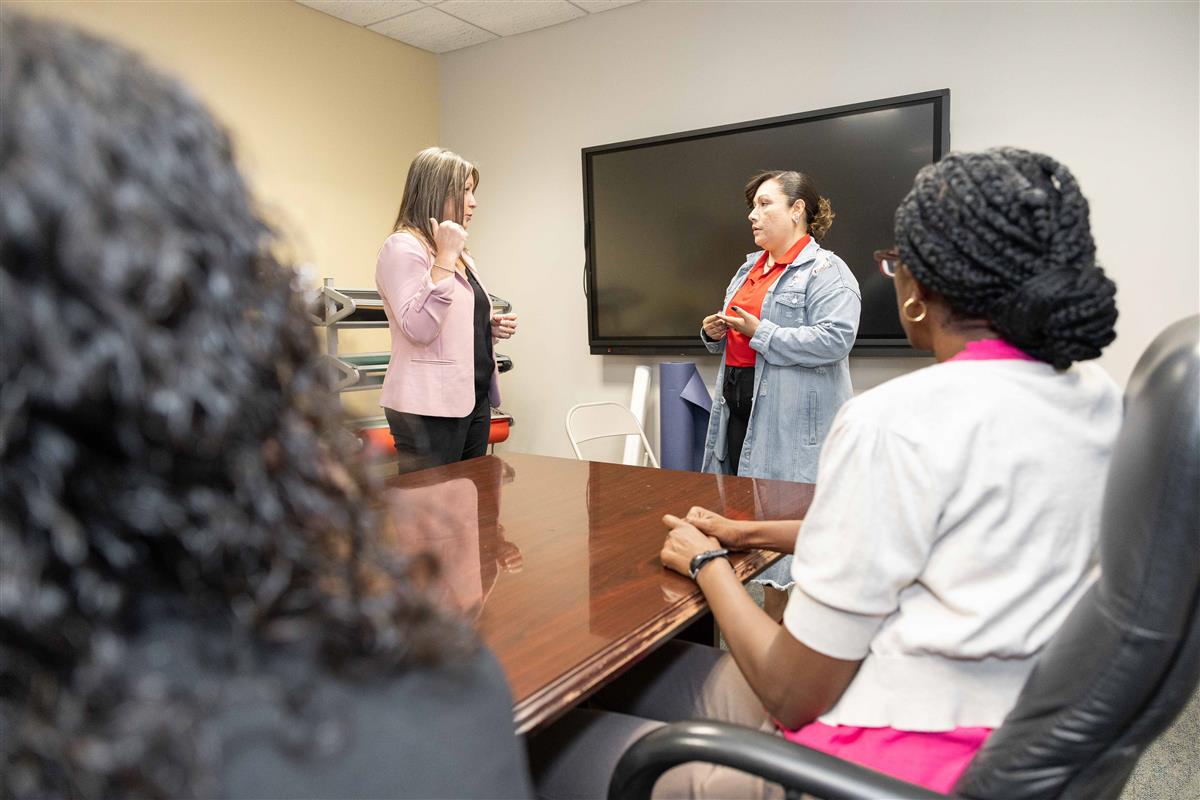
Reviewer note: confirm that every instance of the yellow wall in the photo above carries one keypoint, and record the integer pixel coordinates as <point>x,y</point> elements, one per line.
<point>325,117</point>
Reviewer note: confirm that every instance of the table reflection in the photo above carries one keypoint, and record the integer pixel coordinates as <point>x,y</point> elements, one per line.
<point>762,499</point>
<point>457,520</point>
<point>557,560</point>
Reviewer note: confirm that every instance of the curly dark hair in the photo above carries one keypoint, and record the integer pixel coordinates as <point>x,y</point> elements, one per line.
<point>168,442</point>
<point>1003,235</point>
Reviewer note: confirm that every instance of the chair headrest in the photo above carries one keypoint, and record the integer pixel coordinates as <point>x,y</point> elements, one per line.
<point>1150,501</point>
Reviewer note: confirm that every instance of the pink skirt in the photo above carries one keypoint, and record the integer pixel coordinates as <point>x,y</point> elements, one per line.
<point>932,760</point>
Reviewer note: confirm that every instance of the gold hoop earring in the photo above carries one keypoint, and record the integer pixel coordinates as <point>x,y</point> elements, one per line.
<point>905,310</point>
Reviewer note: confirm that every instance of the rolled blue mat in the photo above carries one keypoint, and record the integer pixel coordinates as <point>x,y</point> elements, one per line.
<point>683,407</point>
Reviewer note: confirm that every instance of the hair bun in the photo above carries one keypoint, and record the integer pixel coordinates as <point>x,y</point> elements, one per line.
<point>1034,197</point>
<point>1062,315</point>
<point>822,220</point>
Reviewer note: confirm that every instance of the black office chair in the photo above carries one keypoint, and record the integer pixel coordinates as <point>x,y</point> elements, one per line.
<point>1123,665</point>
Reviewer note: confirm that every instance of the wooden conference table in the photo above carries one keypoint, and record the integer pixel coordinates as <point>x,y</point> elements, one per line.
<point>557,561</point>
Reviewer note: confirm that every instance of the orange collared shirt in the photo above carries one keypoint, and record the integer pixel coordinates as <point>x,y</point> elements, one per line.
<point>749,297</point>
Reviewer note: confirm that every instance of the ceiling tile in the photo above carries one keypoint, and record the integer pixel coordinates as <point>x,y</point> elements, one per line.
<point>363,12</point>
<point>512,16</point>
<point>596,6</point>
<point>430,29</point>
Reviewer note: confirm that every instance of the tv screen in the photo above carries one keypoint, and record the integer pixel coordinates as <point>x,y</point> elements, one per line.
<point>666,223</point>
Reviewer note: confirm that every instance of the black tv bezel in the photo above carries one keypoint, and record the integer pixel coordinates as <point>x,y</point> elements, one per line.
<point>672,345</point>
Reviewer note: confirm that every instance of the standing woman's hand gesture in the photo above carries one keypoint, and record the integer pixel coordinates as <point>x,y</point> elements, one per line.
<point>741,321</point>
<point>449,239</point>
<point>714,327</point>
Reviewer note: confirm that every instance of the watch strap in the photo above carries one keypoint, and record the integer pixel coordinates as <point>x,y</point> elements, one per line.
<point>700,559</point>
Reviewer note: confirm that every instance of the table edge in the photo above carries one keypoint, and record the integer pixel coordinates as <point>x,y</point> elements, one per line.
<point>556,698</point>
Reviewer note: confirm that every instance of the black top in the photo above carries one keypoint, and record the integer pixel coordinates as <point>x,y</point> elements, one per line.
<point>485,363</point>
<point>444,732</point>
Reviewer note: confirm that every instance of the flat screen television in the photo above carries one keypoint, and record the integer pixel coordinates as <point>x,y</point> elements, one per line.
<point>665,217</point>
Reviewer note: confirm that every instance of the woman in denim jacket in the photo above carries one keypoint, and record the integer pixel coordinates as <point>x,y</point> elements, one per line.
<point>785,331</point>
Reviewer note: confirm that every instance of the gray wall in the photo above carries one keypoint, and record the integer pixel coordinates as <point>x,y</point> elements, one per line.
<point>1110,89</point>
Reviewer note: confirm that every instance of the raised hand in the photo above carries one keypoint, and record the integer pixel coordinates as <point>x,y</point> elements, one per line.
<point>714,327</point>
<point>449,239</point>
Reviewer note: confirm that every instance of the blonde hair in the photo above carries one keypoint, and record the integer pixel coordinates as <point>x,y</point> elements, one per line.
<point>435,176</point>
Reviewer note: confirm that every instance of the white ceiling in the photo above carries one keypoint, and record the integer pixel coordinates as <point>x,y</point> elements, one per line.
<point>440,26</point>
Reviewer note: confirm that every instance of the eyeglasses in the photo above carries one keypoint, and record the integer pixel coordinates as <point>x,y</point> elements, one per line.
<point>888,261</point>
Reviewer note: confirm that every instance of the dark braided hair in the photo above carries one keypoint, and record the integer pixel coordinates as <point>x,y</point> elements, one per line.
<point>1003,236</point>
<point>168,443</point>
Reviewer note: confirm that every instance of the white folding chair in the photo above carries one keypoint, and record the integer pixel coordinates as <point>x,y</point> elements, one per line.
<point>588,421</point>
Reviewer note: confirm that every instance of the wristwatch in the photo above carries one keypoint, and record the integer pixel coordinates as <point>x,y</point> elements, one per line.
<point>700,559</point>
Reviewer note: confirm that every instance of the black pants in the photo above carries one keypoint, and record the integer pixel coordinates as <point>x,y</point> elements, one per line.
<point>423,441</point>
<point>738,391</point>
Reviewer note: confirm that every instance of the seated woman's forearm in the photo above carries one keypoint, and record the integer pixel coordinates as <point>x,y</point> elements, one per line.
<point>778,535</point>
<point>742,534</point>
<point>795,683</point>
<point>747,629</point>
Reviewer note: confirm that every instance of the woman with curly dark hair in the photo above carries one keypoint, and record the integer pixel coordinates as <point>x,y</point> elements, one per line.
<point>194,596</point>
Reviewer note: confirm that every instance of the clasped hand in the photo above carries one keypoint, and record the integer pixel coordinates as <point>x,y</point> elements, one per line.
<point>700,531</point>
<point>504,326</point>
<point>741,321</point>
<point>714,327</point>
<point>717,325</point>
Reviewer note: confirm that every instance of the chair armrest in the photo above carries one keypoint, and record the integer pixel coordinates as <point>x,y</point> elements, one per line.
<point>796,767</point>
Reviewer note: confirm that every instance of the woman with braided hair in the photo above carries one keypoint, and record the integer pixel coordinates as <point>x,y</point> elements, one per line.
<point>1010,266</point>
<point>196,597</point>
<point>955,520</point>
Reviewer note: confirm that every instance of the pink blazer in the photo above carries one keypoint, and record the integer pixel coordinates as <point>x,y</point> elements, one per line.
<point>432,368</point>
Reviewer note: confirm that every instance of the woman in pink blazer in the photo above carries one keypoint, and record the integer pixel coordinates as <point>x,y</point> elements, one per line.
<point>441,380</point>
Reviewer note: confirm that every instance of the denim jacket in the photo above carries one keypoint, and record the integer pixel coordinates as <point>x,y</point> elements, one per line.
<point>801,370</point>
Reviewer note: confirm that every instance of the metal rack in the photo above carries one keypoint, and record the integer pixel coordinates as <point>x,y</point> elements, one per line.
<point>345,309</point>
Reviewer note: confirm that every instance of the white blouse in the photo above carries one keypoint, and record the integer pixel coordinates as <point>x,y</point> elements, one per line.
<point>953,528</point>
